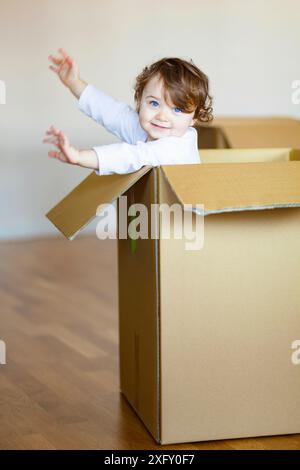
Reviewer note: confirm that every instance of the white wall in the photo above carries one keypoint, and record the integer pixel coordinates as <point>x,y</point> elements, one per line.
<point>250,50</point>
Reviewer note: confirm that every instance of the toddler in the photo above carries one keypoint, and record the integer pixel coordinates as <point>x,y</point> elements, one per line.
<point>171,96</point>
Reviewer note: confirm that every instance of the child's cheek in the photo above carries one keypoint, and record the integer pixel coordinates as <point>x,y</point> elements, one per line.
<point>147,113</point>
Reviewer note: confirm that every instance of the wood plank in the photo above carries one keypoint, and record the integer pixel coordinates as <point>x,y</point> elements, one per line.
<point>60,386</point>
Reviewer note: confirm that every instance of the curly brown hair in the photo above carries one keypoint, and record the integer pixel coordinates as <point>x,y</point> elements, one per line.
<point>186,84</point>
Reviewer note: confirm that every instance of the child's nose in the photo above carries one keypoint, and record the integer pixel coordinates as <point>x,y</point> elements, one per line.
<point>162,116</point>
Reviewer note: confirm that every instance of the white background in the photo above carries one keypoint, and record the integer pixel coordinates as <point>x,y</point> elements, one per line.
<point>250,51</point>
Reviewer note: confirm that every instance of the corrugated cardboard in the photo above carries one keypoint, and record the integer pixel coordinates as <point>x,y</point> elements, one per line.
<point>79,207</point>
<point>205,336</point>
<point>249,133</point>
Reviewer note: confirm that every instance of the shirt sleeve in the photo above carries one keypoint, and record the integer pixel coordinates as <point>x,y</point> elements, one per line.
<point>116,117</point>
<point>126,158</point>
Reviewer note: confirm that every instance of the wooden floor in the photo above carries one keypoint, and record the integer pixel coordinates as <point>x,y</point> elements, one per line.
<point>60,386</point>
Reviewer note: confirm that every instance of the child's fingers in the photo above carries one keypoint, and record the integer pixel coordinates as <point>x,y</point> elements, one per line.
<point>55,60</point>
<point>53,141</point>
<point>62,136</point>
<point>53,154</point>
<point>51,138</point>
<point>53,131</point>
<point>62,142</point>
<point>63,53</point>
<point>65,65</point>
<point>66,58</point>
<point>58,155</point>
<point>56,137</point>
<point>51,67</point>
<point>60,64</point>
<point>70,61</point>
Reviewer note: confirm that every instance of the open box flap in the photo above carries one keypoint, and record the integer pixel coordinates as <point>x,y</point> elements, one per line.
<point>79,207</point>
<point>255,121</point>
<point>272,132</point>
<point>239,132</point>
<point>249,155</point>
<point>228,187</point>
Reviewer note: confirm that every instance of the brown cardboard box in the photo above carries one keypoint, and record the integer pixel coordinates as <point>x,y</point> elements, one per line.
<point>249,133</point>
<point>206,335</point>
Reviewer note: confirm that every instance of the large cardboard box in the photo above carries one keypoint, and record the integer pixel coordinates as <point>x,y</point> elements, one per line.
<point>249,133</point>
<point>207,336</point>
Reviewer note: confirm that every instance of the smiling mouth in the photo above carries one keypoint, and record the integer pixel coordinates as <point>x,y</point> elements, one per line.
<point>159,127</point>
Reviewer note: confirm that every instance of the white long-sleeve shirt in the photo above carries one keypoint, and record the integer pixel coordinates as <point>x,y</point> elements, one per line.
<point>134,152</point>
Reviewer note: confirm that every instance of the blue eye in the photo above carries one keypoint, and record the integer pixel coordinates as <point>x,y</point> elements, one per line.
<point>154,102</point>
<point>178,110</point>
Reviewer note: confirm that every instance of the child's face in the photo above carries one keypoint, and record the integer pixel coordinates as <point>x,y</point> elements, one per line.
<point>159,118</point>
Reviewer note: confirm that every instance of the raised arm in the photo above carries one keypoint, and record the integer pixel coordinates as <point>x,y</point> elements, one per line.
<point>123,157</point>
<point>115,116</point>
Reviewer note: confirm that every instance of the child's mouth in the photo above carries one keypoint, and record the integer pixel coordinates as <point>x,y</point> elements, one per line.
<point>159,127</point>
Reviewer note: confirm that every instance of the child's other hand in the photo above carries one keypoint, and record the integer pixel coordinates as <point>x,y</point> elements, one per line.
<point>65,152</point>
<point>65,67</point>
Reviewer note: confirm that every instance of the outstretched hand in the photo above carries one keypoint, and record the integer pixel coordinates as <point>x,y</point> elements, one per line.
<point>65,152</point>
<point>65,67</point>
